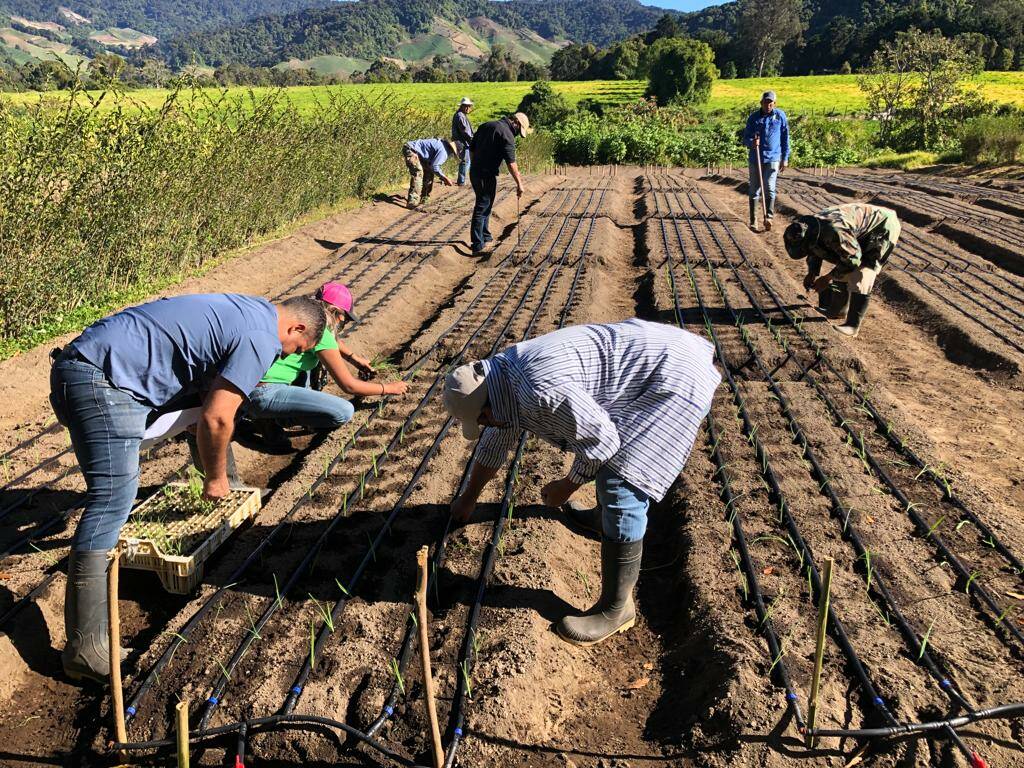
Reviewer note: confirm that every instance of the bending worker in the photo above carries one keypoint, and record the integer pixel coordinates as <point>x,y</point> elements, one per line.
<point>767,136</point>
<point>858,238</point>
<point>462,131</point>
<point>493,143</point>
<point>279,403</point>
<point>106,384</point>
<point>424,158</point>
<point>627,399</point>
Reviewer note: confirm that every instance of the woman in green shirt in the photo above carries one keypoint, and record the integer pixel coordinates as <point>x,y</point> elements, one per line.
<point>282,404</point>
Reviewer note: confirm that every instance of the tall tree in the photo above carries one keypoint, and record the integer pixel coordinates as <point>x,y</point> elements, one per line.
<point>680,71</point>
<point>765,27</point>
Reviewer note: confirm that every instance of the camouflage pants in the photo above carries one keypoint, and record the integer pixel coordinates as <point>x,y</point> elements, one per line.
<point>421,178</point>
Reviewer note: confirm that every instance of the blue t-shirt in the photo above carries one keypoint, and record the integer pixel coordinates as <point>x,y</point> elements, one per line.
<point>432,151</point>
<point>173,347</point>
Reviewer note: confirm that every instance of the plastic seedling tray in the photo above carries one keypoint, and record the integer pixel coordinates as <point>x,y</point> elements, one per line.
<point>173,536</point>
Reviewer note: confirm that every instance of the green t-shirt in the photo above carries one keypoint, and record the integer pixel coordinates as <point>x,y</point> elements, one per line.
<point>286,370</point>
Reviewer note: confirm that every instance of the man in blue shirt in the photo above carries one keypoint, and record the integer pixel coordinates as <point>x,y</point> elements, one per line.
<point>424,158</point>
<point>462,131</point>
<point>767,136</point>
<point>107,384</point>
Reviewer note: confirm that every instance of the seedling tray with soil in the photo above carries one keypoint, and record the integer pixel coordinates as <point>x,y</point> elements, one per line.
<point>174,532</point>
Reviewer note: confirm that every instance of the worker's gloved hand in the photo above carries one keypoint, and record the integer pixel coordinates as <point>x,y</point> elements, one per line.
<point>557,492</point>
<point>462,508</point>
<point>215,488</point>
<point>822,283</point>
<point>809,282</point>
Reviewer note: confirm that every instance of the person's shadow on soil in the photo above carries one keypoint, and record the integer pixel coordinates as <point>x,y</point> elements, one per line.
<point>30,635</point>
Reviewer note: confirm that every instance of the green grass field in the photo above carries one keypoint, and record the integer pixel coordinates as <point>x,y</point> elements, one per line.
<point>797,95</point>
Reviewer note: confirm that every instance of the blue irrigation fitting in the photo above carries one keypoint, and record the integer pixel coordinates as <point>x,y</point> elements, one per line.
<point>791,696</point>
<point>212,701</point>
<point>879,702</point>
<point>130,711</point>
<point>945,684</point>
<point>389,710</point>
<point>297,690</point>
<point>458,731</point>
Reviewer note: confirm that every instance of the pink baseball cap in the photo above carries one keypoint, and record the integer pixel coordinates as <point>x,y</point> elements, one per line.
<point>338,295</point>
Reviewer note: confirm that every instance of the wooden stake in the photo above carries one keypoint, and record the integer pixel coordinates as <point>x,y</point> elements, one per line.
<point>114,639</point>
<point>428,679</point>
<point>181,719</point>
<point>819,651</point>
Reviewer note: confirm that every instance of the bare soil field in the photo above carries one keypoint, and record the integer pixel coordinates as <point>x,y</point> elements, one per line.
<point>896,455</point>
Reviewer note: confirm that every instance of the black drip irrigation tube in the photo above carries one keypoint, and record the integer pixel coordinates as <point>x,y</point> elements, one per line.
<point>875,581</point>
<point>214,698</point>
<point>977,591</point>
<point>882,426</point>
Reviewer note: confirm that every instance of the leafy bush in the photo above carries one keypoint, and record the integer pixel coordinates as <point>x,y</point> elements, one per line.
<point>109,204</point>
<point>611,150</point>
<point>993,139</point>
<point>680,71</point>
<point>543,105</point>
<point>825,141</point>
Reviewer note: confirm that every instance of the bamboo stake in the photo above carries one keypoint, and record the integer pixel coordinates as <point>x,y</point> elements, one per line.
<point>114,640</point>
<point>760,177</point>
<point>428,679</point>
<point>819,650</point>
<point>181,719</point>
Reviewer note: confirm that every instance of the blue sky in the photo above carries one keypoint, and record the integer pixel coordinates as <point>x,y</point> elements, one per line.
<point>683,5</point>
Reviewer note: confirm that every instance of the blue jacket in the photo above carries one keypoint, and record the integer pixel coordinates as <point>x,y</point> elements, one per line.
<point>431,151</point>
<point>773,130</point>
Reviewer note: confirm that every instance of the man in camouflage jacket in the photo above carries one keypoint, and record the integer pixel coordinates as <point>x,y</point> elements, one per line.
<point>858,239</point>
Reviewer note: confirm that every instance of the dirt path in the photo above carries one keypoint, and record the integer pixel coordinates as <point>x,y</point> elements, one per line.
<point>807,458</point>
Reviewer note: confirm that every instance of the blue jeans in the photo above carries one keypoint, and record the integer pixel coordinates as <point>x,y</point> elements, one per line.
<point>770,171</point>
<point>485,187</point>
<point>298,407</point>
<point>623,507</point>
<point>463,167</point>
<point>106,426</point>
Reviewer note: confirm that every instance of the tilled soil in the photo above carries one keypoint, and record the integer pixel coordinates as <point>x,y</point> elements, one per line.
<point>894,455</point>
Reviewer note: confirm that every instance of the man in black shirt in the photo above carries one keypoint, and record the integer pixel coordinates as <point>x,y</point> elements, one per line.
<point>493,143</point>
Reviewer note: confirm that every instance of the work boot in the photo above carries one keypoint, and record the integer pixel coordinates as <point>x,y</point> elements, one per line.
<point>615,611</point>
<point>753,213</point>
<point>86,655</point>
<point>770,214</point>
<point>585,516</point>
<point>858,309</point>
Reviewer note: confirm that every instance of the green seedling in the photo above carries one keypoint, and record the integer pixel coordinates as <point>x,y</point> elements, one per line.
<point>325,612</point>
<point>397,673</point>
<point>743,576</point>
<point>327,466</point>
<point>344,591</point>
<point>990,541</point>
<point>883,615</point>
<point>312,644</point>
<point>771,607</point>
<point>585,581</point>
<point>866,557</point>
<point>277,592</point>
<point>970,580</point>
<point>924,641</point>
<point>224,671</point>
<point>464,669</point>
<point>961,524</point>
<point>934,526</point>
<point>374,462</point>
<point>252,622</point>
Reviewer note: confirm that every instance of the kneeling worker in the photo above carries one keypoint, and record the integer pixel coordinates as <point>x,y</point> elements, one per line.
<point>282,404</point>
<point>858,238</point>
<point>628,399</point>
<point>107,384</point>
<point>424,158</point>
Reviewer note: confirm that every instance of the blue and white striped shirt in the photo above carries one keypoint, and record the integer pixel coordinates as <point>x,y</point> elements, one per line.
<point>631,395</point>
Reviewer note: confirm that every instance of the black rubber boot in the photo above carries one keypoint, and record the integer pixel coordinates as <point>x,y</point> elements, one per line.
<point>753,213</point>
<point>770,217</point>
<point>86,655</point>
<point>585,516</point>
<point>858,309</point>
<point>615,611</point>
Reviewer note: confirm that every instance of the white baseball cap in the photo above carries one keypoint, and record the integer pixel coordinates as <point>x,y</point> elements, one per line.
<point>465,395</point>
<point>466,102</point>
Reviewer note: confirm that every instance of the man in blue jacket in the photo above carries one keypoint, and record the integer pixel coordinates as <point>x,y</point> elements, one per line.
<point>424,158</point>
<point>767,136</point>
<point>462,131</point>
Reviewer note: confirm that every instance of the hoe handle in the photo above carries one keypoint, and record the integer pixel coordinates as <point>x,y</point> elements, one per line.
<point>428,679</point>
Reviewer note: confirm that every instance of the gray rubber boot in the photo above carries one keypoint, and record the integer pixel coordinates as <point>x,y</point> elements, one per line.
<point>615,611</point>
<point>858,309</point>
<point>86,655</point>
<point>586,517</point>
<point>753,213</point>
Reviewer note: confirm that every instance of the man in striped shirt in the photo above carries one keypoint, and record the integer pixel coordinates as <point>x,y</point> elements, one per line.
<point>627,399</point>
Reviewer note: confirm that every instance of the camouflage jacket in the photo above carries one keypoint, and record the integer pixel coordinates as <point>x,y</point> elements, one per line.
<point>852,236</point>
